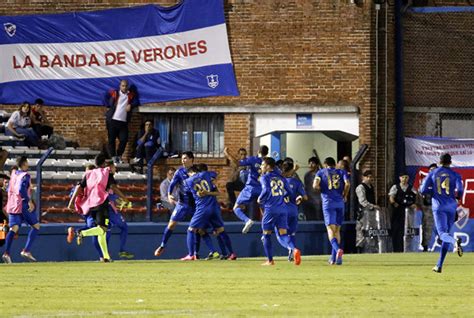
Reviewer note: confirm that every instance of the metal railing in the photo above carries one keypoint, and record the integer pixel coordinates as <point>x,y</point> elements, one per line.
<point>39,168</point>
<point>149,185</point>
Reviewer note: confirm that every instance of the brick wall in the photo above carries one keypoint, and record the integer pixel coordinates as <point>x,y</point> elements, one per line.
<point>285,52</point>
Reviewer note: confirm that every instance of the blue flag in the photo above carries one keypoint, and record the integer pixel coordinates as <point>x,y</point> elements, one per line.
<point>172,53</point>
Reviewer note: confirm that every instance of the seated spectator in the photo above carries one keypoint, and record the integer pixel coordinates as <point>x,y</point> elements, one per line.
<point>148,142</point>
<point>165,184</point>
<point>41,125</point>
<point>19,125</point>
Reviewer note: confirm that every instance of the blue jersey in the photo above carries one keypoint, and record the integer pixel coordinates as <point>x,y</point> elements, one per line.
<point>254,166</point>
<point>202,181</point>
<point>332,185</point>
<point>296,189</point>
<point>442,183</point>
<point>178,180</point>
<point>275,189</point>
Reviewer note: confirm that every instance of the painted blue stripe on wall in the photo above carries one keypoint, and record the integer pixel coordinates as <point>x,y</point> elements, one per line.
<point>442,9</point>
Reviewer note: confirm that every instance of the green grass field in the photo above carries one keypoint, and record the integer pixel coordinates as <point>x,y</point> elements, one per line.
<point>366,285</point>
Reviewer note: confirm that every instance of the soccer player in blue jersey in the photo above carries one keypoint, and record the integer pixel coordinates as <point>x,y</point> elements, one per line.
<point>207,212</point>
<point>20,209</point>
<point>184,205</point>
<point>273,199</point>
<point>252,188</point>
<point>445,186</point>
<point>296,196</point>
<point>334,186</point>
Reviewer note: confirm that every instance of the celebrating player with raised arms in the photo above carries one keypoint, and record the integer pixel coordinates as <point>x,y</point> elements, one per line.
<point>273,197</point>
<point>445,186</point>
<point>252,188</point>
<point>334,186</point>
<point>208,211</point>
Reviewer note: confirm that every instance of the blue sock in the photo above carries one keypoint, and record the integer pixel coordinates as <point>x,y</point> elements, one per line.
<point>240,214</point>
<point>95,241</point>
<point>31,238</point>
<point>267,246</point>
<point>166,236</point>
<point>442,254</point>
<point>293,239</point>
<point>334,244</point>
<point>227,242</point>
<point>445,237</point>
<point>9,241</point>
<point>197,240</point>
<point>208,241</point>
<point>333,256</point>
<point>280,240</point>
<point>123,236</point>
<point>221,243</point>
<point>191,242</point>
<point>286,239</point>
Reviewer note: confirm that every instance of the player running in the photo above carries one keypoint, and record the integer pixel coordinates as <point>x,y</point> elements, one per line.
<point>185,204</point>
<point>95,186</point>
<point>208,211</point>
<point>296,196</point>
<point>275,188</point>
<point>330,182</point>
<point>446,187</point>
<point>252,188</point>
<point>20,208</point>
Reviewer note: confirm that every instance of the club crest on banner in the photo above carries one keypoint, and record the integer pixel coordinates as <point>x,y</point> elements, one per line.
<point>10,28</point>
<point>212,80</point>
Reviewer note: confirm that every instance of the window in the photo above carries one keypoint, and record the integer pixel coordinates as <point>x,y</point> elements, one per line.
<point>203,134</point>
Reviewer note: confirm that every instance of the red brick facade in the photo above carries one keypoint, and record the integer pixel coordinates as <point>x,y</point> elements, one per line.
<point>318,53</point>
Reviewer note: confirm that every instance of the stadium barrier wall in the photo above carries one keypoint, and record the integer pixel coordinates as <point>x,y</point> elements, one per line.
<point>143,238</point>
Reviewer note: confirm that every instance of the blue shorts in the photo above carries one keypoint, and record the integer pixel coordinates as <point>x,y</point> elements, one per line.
<point>26,217</point>
<point>277,218</point>
<point>202,219</point>
<point>333,214</point>
<point>444,220</point>
<point>248,195</point>
<point>180,212</point>
<point>116,219</point>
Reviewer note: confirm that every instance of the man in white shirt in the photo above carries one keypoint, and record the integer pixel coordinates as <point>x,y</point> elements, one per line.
<point>120,103</point>
<point>165,184</point>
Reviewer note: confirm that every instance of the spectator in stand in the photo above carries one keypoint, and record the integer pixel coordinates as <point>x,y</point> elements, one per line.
<point>313,206</point>
<point>148,142</point>
<point>19,125</point>
<point>344,165</point>
<point>401,196</point>
<point>165,184</point>
<point>238,178</point>
<point>120,103</point>
<point>41,124</point>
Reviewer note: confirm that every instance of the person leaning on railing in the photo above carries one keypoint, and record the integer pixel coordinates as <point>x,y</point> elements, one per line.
<point>366,198</point>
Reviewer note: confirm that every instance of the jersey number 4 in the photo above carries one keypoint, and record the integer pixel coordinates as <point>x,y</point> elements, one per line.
<point>442,185</point>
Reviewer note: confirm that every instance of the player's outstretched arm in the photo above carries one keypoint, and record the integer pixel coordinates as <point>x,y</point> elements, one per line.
<point>117,191</point>
<point>76,192</point>
<point>233,160</point>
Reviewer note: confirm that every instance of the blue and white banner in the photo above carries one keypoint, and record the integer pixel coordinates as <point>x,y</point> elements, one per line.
<point>173,53</point>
